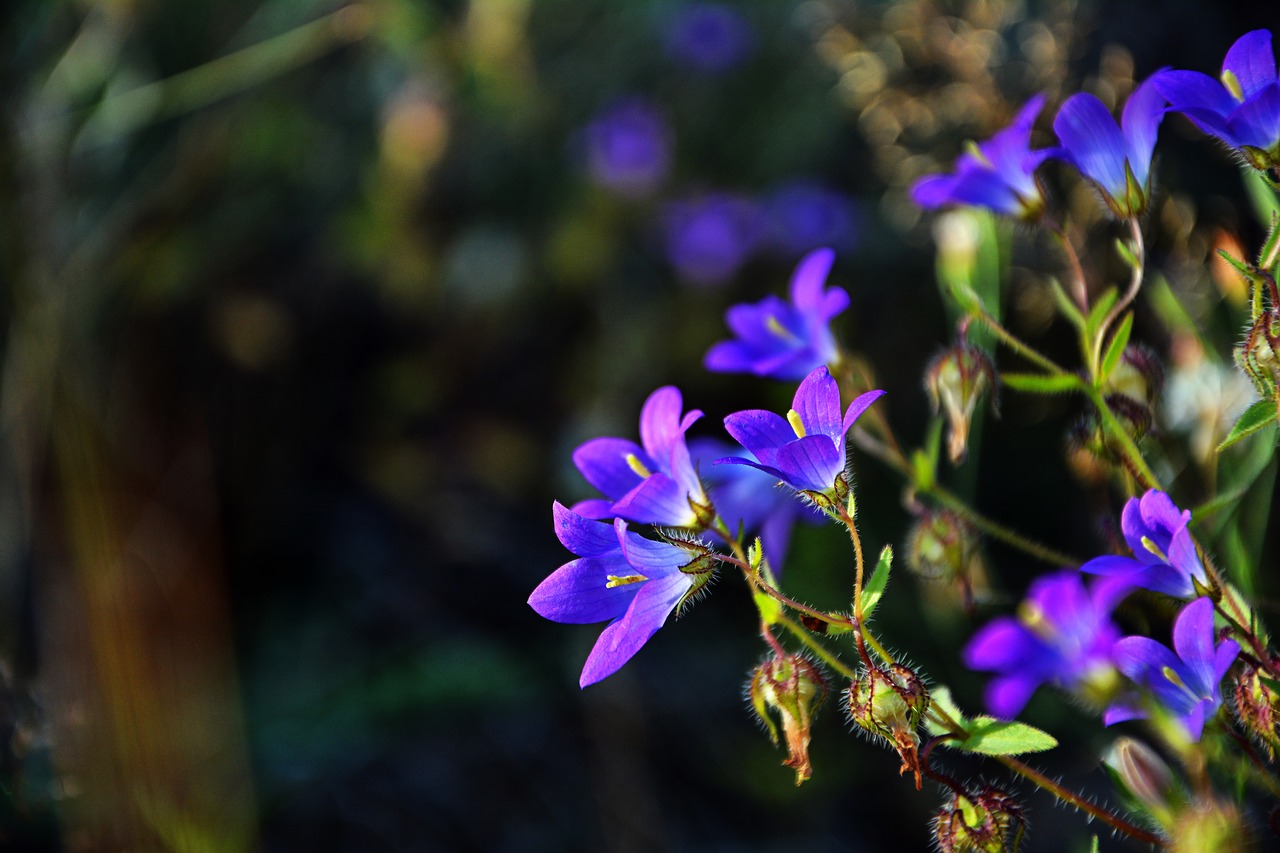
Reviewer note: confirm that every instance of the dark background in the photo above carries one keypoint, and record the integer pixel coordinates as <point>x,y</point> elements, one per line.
<point>302,322</point>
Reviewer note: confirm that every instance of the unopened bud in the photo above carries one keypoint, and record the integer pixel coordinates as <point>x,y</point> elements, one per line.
<point>1146,777</point>
<point>1256,701</point>
<point>1259,355</point>
<point>957,379</point>
<point>1210,827</point>
<point>793,687</point>
<point>1138,376</point>
<point>889,703</point>
<point>941,545</point>
<point>985,820</point>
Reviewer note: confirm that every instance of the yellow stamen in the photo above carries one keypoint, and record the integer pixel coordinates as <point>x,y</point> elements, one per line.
<point>634,463</point>
<point>1174,678</point>
<point>1154,548</point>
<point>1232,82</point>
<point>622,580</point>
<point>793,418</point>
<point>775,326</point>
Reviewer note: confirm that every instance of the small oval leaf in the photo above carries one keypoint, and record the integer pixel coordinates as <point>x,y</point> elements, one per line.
<point>1254,418</point>
<point>990,736</point>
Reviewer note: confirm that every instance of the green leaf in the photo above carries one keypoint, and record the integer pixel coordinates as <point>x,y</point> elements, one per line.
<point>769,607</point>
<point>1254,418</point>
<point>1126,254</point>
<point>1065,305</point>
<point>1099,312</point>
<point>873,591</point>
<point>1115,349</point>
<point>940,700</point>
<point>1042,383</point>
<point>990,736</point>
<point>1266,203</point>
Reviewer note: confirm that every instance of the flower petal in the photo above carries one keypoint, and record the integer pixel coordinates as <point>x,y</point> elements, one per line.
<point>1140,121</point>
<point>660,424</point>
<point>620,641</point>
<point>737,460</point>
<point>1251,61</point>
<point>1123,709</point>
<point>1138,656</point>
<point>577,593</point>
<point>603,463</point>
<point>580,534</point>
<point>857,407</point>
<point>657,500</point>
<point>1193,641</point>
<point>1007,695</point>
<point>812,462</point>
<point>651,558</point>
<point>1186,90</point>
<point>760,432</point>
<point>1256,122</point>
<point>817,400</point>
<point>809,279</point>
<point>1003,643</point>
<point>1093,142</point>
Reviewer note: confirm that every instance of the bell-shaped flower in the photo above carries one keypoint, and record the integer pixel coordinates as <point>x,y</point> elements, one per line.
<point>749,499</point>
<point>1184,684</point>
<point>1062,635</point>
<point>1164,554</point>
<point>1243,109</point>
<point>653,484</point>
<point>784,340</point>
<point>1116,158</point>
<point>805,449</point>
<point>998,174</point>
<point>632,582</point>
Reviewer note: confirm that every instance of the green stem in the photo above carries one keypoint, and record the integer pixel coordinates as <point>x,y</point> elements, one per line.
<point>1125,441</point>
<point>817,648</point>
<point>1016,344</point>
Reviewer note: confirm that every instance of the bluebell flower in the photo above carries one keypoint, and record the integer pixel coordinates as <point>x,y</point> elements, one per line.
<point>804,215</point>
<point>749,499</point>
<point>1062,636</point>
<point>1116,158</point>
<point>653,484</point>
<point>1164,554</point>
<point>708,37</point>
<point>784,340</point>
<point>709,238</point>
<point>1243,110</point>
<point>805,449</point>
<point>1184,684</point>
<point>998,174</point>
<point>632,582</point>
<point>628,147</point>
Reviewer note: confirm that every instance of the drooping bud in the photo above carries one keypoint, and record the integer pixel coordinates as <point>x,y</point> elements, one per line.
<point>957,379</point>
<point>986,820</point>
<point>793,687</point>
<point>1256,702</point>
<point>1146,778</point>
<point>1138,376</point>
<point>889,703</point>
<point>941,545</point>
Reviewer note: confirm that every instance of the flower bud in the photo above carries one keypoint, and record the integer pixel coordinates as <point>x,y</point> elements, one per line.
<point>979,820</point>
<point>1138,376</point>
<point>1210,827</point>
<point>1259,355</point>
<point>941,545</point>
<point>794,688</point>
<point>889,703</point>
<point>956,380</point>
<point>1256,702</point>
<point>1146,777</point>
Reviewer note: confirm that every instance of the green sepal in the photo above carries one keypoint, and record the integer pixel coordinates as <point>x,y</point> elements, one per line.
<point>990,736</point>
<point>1254,418</point>
<point>770,608</point>
<point>873,591</point>
<point>940,700</point>
<point>1115,349</point>
<point>755,554</point>
<point>1042,383</point>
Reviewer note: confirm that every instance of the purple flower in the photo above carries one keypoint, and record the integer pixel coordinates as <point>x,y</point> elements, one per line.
<point>708,37</point>
<point>1244,109</point>
<point>709,238</point>
<point>653,484</point>
<point>806,449</point>
<point>628,148</point>
<point>1116,158</point>
<point>633,582</point>
<point>1062,635</point>
<point>803,216</point>
<point>784,340</point>
<point>750,499</point>
<point>1164,554</point>
<point>998,174</point>
<point>1184,684</point>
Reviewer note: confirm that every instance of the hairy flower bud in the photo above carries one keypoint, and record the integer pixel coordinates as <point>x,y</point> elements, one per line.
<point>979,820</point>
<point>1146,777</point>
<point>1256,702</point>
<point>957,379</point>
<point>941,545</point>
<point>1259,355</point>
<point>1210,827</point>
<point>1138,376</point>
<point>889,703</point>
<point>794,688</point>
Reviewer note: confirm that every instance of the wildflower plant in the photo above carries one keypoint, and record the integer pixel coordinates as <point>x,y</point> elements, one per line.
<point>1088,629</point>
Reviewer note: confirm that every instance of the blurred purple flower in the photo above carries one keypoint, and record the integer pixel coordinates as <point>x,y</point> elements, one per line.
<point>710,238</point>
<point>1164,554</point>
<point>750,499</point>
<point>806,449</point>
<point>803,216</point>
<point>628,147</point>
<point>653,484</point>
<point>1243,110</point>
<point>784,340</point>
<point>633,582</point>
<point>1062,635</point>
<point>708,37</point>
<point>998,174</point>
<point>1185,684</point>
<point>1116,158</point>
